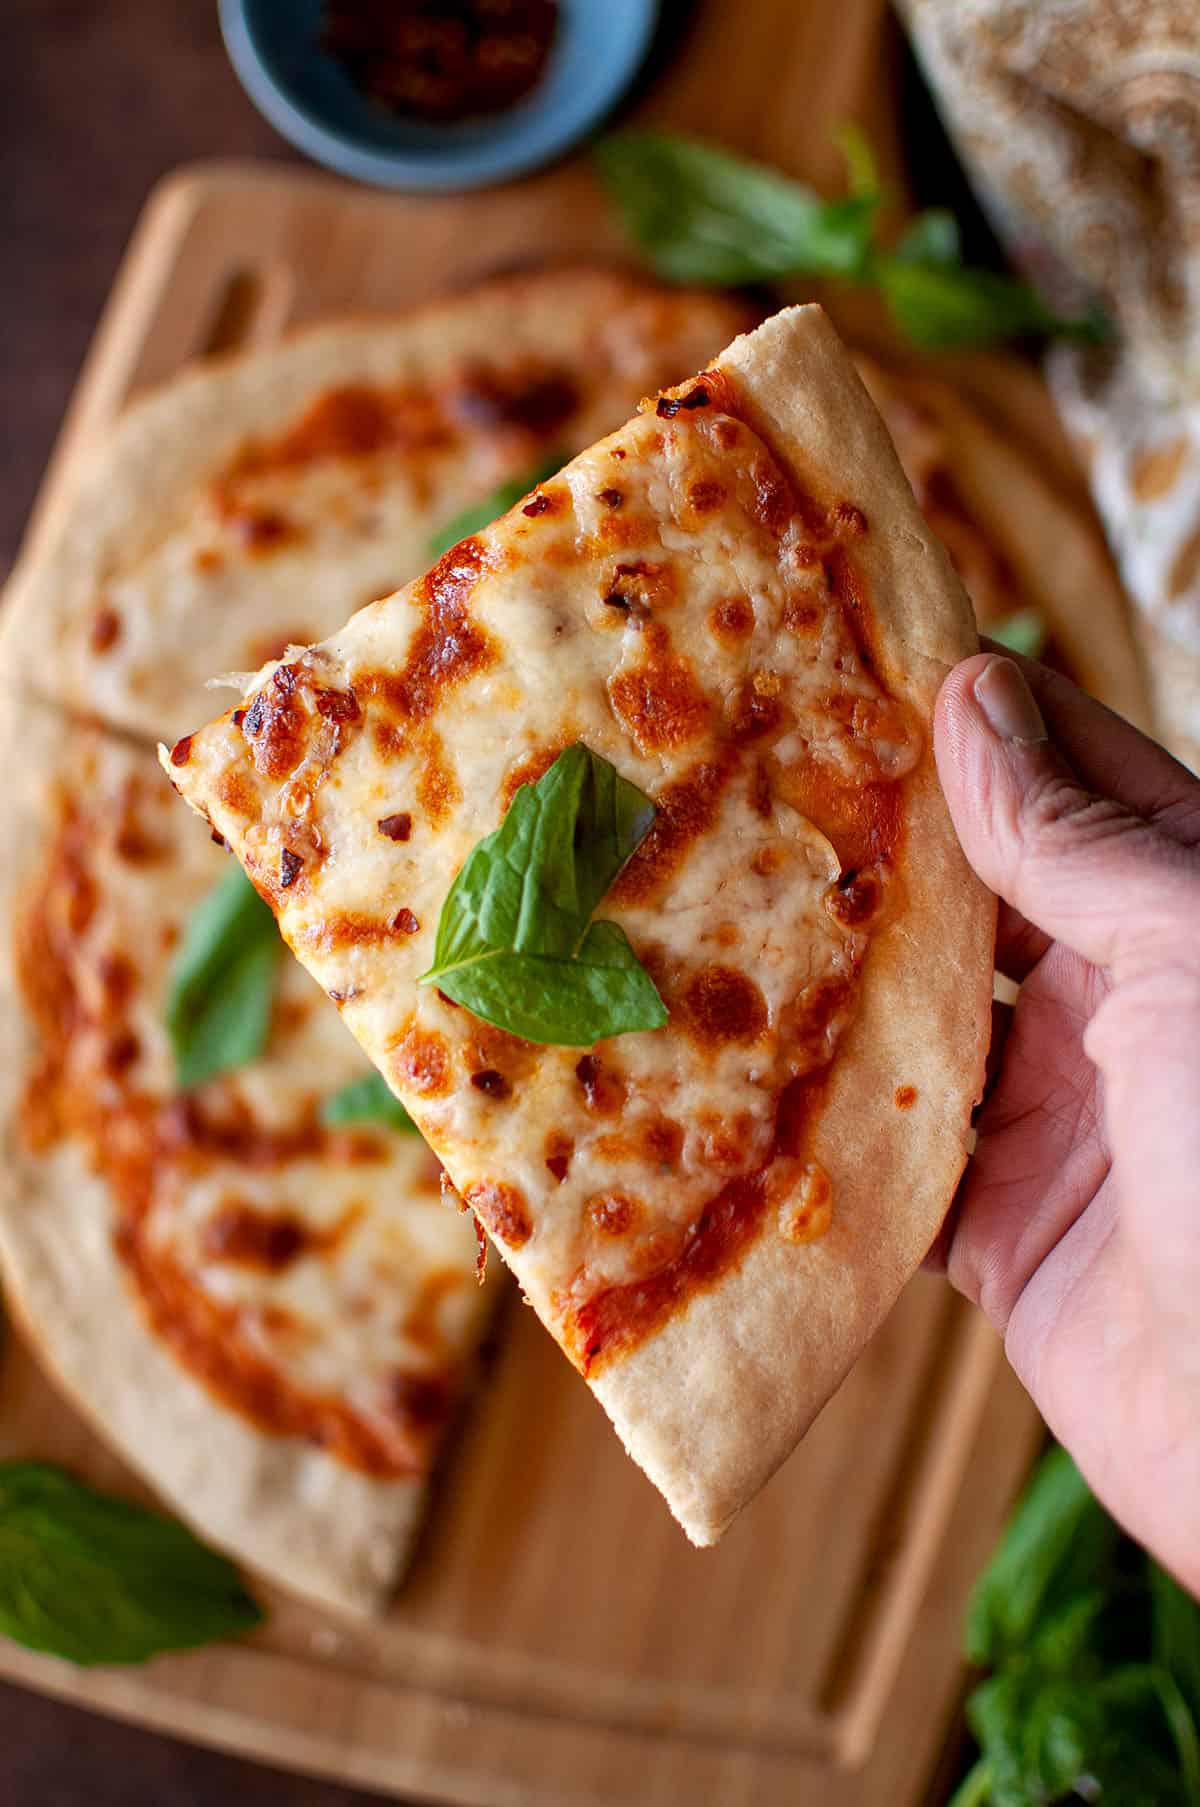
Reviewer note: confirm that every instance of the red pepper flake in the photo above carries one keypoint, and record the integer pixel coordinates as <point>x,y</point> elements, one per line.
<point>405,922</point>
<point>337,705</point>
<point>537,504</point>
<point>397,827</point>
<point>492,1083</point>
<point>219,839</point>
<point>481,1251</point>
<point>612,498</point>
<point>669,405</point>
<point>290,866</point>
<point>558,1165</point>
<point>181,752</point>
<point>239,716</point>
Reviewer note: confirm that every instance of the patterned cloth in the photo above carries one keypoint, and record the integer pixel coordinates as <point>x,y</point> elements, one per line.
<point>1079,121</point>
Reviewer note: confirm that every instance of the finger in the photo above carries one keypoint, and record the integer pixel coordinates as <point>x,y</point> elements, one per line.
<point>1110,755</point>
<point>1019,945</point>
<point>1086,869</point>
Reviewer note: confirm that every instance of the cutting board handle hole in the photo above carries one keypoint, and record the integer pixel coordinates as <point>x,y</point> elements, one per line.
<point>250,308</point>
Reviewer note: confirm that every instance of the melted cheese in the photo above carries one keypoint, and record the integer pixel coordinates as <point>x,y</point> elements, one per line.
<point>673,603</point>
<point>313,1278</point>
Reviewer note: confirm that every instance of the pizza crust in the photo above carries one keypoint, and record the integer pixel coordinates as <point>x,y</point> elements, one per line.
<point>713,1403</point>
<point>296,1515</point>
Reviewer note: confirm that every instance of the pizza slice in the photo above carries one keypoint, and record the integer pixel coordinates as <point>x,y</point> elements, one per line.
<point>618,841</point>
<point>243,1273</point>
<point>256,501</point>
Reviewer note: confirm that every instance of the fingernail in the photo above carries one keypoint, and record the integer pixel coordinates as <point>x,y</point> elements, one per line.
<point>1007,702</point>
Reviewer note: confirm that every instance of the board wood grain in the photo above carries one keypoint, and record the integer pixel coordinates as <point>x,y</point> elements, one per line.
<point>558,1642</point>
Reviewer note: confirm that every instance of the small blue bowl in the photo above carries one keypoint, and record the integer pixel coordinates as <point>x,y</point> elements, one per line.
<point>274,47</point>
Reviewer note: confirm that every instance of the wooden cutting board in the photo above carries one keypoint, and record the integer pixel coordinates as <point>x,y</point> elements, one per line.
<point>558,1643</point>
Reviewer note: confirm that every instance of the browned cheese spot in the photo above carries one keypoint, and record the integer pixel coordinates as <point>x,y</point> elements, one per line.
<point>491,1083</point>
<point>906,1097</point>
<point>276,725</point>
<point>537,399</point>
<point>731,621</point>
<point>424,1399</point>
<point>685,811</point>
<point>270,1240</point>
<point>659,702</point>
<point>603,1086</point>
<point>705,495</point>
<point>528,770</point>
<point>106,629</point>
<point>422,1061</point>
<point>758,710</point>
<point>719,1004</point>
<point>1153,473</point>
<point>613,1213</point>
<point>502,1210</point>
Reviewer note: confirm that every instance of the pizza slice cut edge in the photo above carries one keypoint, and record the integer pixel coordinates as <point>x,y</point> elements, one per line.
<point>735,602</point>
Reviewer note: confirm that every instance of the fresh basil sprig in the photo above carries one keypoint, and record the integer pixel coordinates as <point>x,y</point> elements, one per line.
<point>96,1579</point>
<point>1095,1652</point>
<point>1024,631</point>
<point>703,215</point>
<point>482,514</point>
<point>516,943</point>
<point>223,982</point>
<point>366,1100</point>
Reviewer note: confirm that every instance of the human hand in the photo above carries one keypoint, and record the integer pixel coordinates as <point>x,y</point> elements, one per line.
<point>1077,1226</point>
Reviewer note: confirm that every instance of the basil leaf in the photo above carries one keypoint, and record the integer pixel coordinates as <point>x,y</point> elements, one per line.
<point>941,304</point>
<point>367,1100</point>
<point>96,1579</point>
<point>482,514</point>
<point>1024,631</point>
<point>703,215</point>
<point>515,941</point>
<point>1057,1542</point>
<point>223,983</point>
<point>932,238</point>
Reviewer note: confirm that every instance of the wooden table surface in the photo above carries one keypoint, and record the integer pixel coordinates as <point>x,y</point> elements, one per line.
<point>97,102</point>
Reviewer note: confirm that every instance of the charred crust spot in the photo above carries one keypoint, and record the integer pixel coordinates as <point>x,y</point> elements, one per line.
<point>405,923</point>
<point>502,1210</point>
<point>259,530</point>
<point>106,629</point>
<point>668,406</point>
<point>397,827</point>
<point>422,1062</point>
<point>613,1213</point>
<point>611,498</point>
<point>855,898</point>
<point>253,717</point>
<point>719,1004</point>
<point>705,495</point>
<point>181,752</point>
<point>732,620</point>
<point>491,1083</point>
<point>906,1097</point>
<point>603,1088</point>
<point>616,599</point>
<point>290,867</point>
<point>640,588</point>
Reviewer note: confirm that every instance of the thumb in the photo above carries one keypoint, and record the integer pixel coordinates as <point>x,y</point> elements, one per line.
<point>1087,870</point>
